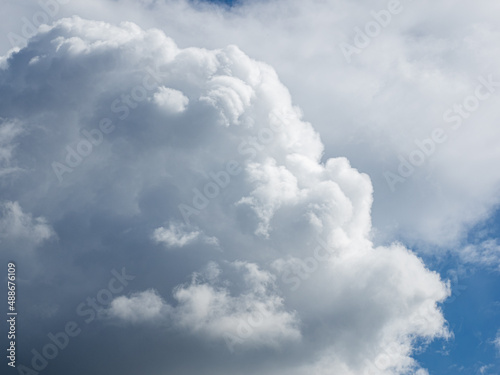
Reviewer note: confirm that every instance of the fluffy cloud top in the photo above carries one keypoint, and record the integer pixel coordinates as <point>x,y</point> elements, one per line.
<point>234,160</point>
<point>170,99</point>
<point>253,318</point>
<point>139,307</point>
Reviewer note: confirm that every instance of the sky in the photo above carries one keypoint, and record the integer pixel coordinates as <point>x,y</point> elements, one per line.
<point>240,187</point>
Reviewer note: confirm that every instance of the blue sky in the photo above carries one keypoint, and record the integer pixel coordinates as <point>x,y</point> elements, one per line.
<point>472,312</point>
<point>473,317</point>
<point>228,2</point>
<point>275,187</point>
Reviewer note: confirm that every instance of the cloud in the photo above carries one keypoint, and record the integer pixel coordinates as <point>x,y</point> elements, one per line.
<point>373,114</point>
<point>252,318</point>
<point>304,291</point>
<point>484,369</point>
<point>18,225</point>
<point>8,132</point>
<point>176,235</point>
<point>172,100</point>
<point>139,307</point>
<point>486,253</point>
<point>496,342</point>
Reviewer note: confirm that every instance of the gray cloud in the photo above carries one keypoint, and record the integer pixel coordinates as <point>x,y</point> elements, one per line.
<point>231,159</point>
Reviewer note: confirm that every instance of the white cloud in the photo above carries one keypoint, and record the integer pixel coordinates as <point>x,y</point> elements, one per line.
<point>374,109</point>
<point>16,224</point>
<point>177,235</point>
<point>139,307</point>
<point>486,253</point>
<point>372,113</point>
<point>484,369</point>
<point>170,99</point>
<point>357,307</point>
<point>255,317</point>
<point>496,342</point>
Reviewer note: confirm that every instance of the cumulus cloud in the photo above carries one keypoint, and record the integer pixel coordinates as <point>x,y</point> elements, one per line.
<point>372,113</point>
<point>376,109</point>
<point>170,99</point>
<point>139,307</point>
<point>238,162</point>
<point>255,317</point>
